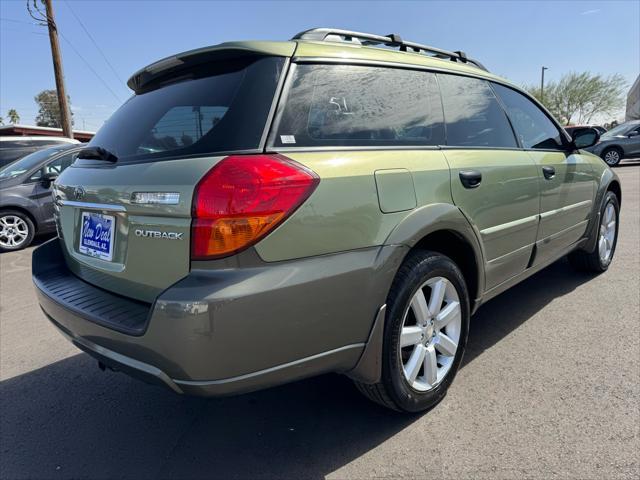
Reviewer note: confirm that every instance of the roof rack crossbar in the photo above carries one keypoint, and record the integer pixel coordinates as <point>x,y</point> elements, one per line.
<point>391,40</point>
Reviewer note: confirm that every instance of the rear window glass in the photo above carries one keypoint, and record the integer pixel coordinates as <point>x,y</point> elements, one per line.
<point>216,108</point>
<point>349,105</point>
<point>474,118</point>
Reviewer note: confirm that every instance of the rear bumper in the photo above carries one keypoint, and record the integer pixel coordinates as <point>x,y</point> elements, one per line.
<point>219,332</point>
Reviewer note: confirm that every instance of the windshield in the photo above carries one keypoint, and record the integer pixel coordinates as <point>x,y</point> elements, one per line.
<point>30,161</point>
<point>619,130</point>
<point>214,108</point>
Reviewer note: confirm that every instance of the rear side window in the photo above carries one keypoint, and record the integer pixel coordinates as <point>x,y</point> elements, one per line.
<point>219,107</point>
<point>533,127</point>
<point>350,105</point>
<point>473,116</point>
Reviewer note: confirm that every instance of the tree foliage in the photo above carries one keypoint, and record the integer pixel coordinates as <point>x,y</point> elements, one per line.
<point>49,109</point>
<point>13,116</point>
<point>578,97</point>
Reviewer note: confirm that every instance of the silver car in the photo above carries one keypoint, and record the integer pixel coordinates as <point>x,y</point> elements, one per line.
<point>620,142</point>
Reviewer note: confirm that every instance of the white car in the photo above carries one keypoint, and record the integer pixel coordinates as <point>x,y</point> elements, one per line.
<point>14,147</point>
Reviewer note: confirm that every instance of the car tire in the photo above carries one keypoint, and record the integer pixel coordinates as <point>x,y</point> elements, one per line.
<point>436,277</point>
<point>599,260</point>
<point>612,156</point>
<point>16,230</point>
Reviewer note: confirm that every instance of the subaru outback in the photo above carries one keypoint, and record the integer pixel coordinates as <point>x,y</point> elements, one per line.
<point>262,212</point>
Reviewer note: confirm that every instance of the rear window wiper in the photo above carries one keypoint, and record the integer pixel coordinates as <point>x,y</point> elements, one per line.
<point>97,153</point>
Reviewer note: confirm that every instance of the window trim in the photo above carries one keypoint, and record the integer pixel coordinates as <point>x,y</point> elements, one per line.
<point>270,146</point>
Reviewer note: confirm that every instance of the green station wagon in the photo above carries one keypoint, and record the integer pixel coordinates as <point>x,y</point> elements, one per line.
<point>261,212</point>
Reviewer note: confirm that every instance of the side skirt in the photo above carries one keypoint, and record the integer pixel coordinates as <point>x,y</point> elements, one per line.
<point>497,290</point>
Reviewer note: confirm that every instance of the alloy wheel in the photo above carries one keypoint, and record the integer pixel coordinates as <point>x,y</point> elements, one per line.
<point>14,231</point>
<point>430,334</point>
<point>612,157</point>
<point>606,241</point>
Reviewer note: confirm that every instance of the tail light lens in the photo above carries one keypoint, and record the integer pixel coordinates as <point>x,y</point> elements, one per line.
<point>242,199</point>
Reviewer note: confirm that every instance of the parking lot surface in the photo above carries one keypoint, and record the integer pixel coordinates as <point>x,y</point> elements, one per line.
<point>549,388</point>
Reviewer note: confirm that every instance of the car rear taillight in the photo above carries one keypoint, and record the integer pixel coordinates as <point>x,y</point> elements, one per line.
<point>243,198</point>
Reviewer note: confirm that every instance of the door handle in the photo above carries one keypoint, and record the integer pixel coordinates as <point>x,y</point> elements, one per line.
<point>470,178</point>
<point>549,172</point>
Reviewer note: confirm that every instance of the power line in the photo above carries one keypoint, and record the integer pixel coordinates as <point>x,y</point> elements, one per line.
<point>89,66</point>
<point>94,42</point>
<point>17,21</point>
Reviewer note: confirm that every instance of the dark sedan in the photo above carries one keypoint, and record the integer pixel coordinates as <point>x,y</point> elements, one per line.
<point>26,204</point>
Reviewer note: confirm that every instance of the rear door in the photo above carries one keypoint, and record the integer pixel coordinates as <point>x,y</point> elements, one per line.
<point>567,181</point>
<point>125,220</point>
<point>493,181</point>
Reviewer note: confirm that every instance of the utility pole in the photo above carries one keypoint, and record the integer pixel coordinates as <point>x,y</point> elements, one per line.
<point>65,116</point>
<point>542,85</point>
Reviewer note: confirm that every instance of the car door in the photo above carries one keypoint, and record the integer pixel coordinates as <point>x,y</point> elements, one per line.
<point>42,189</point>
<point>632,143</point>
<point>567,181</point>
<point>493,181</point>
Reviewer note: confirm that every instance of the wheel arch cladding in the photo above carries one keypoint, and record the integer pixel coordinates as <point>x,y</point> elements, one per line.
<point>458,249</point>
<point>443,228</point>
<point>614,186</point>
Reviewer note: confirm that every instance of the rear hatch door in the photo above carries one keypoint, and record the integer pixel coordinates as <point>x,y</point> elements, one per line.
<point>124,208</point>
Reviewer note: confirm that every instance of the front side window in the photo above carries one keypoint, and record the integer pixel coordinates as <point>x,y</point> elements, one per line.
<point>56,166</point>
<point>27,163</point>
<point>350,105</point>
<point>60,164</point>
<point>620,131</point>
<point>473,116</point>
<point>533,127</point>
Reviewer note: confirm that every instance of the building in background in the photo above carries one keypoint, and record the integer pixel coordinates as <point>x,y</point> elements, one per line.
<point>633,101</point>
<point>33,131</point>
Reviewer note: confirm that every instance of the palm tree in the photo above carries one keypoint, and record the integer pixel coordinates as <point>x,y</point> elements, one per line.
<point>13,116</point>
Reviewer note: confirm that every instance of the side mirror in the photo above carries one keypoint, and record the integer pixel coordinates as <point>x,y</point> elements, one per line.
<point>633,134</point>
<point>48,178</point>
<point>585,137</point>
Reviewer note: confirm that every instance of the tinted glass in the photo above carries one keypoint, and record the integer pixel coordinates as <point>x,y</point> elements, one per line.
<point>60,164</point>
<point>533,127</point>
<point>622,129</point>
<point>30,161</point>
<point>216,108</point>
<point>349,105</point>
<point>473,115</point>
<point>8,155</point>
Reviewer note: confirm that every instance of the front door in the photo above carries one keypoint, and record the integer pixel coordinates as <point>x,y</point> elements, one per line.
<point>42,190</point>
<point>567,182</point>
<point>493,182</point>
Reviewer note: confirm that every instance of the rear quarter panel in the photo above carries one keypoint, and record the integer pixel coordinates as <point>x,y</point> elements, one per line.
<point>345,211</point>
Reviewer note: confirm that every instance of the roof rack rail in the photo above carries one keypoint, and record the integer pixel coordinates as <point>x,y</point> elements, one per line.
<point>391,40</point>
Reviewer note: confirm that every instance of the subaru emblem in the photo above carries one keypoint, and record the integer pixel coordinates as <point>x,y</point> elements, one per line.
<point>78,193</point>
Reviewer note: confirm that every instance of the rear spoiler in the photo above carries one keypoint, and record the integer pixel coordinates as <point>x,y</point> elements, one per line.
<point>185,60</point>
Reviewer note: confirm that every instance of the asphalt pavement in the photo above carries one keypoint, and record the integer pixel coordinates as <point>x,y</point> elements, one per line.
<point>549,388</point>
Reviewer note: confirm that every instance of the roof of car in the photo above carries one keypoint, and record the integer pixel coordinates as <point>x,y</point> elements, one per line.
<point>394,51</point>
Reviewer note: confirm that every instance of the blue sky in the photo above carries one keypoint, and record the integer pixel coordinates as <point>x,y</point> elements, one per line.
<point>512,38</point>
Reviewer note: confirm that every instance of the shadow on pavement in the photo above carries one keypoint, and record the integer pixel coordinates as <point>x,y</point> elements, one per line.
<point>71,420</point>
